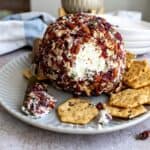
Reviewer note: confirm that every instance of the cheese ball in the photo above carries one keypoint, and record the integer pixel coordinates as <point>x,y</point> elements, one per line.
<point>82,54</point>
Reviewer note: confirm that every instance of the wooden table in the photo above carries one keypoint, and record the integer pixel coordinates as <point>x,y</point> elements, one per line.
<point>16,135</point>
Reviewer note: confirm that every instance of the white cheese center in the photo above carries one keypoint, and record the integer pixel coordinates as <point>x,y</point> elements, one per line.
<point>88,61</point>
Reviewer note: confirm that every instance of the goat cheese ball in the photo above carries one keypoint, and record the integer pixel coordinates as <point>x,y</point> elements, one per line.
<point>82,54</point>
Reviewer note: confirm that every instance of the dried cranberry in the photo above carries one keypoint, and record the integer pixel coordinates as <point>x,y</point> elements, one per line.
<point>52,104</point>
<point>118,36</point>
<point>109,75</point>
<point>144,135</point>
<point>37,87</point>
<point>107,26</point>
<point>51,35</point>
<point>65,57</point>
<point>70,25</point>
<point>98,78</point>
<point>43,102</point>
<point>103,47</point>
<point>80,33</point>
<point>100,19</point>
<point>75,49</point>
<point>104,54</point>
<point>99,106</point>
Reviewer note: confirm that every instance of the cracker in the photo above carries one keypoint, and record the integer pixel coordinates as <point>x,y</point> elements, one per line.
<point>141,80</point>
<point>27,73</point>
<point>86,89</point>
<point>120,87</point>
<point>129,98</point>
<point>135,70</point>
<point>125,113</point>
<point>146,91</point>
<point>129,58</point>
<point>77,111</point>
<point>41,77</point>
<point>138,75</point>
<point>35,50</point>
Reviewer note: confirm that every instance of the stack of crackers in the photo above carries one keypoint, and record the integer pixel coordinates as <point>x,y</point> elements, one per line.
<point>130,102</point>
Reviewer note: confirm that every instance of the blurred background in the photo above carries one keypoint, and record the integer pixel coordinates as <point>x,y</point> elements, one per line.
<point>109,5</point>
<point>51,6</point>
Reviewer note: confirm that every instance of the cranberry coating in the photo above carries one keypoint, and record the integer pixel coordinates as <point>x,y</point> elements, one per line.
<point>36,87</point>
<point>61,44</point>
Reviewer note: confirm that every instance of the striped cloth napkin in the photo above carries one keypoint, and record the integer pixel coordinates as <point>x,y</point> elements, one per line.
<point>20,30</point>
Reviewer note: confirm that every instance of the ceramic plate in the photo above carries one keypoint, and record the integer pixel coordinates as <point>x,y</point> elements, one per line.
<point>139,51</point>
<point>139,44</point>
<point>12,88</point>
<point>128,25</point>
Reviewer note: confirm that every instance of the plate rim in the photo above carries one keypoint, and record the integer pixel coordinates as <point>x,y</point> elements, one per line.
<point>66,130</point>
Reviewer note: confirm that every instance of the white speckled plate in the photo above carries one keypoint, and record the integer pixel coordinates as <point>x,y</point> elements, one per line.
<point>12,88</point>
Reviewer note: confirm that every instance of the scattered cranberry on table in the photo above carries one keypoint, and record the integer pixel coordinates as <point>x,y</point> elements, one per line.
<point>99,106</point>
<point>144,135</point>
